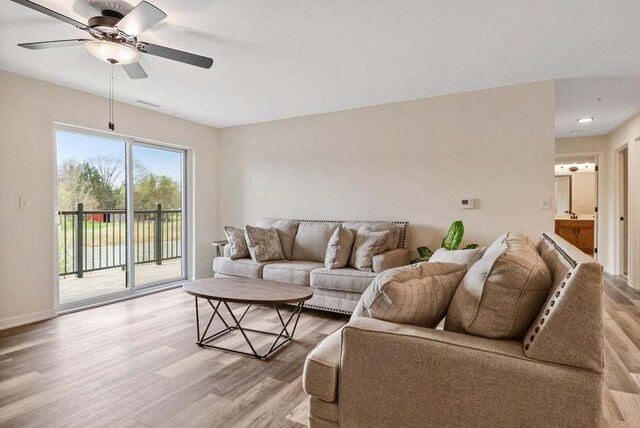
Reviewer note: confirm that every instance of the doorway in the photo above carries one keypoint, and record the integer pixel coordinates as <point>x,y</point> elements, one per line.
<point>576,202</point>
<point>120,228</point>
<point>624,212</point>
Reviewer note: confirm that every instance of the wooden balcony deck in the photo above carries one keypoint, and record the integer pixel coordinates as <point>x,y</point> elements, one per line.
<point>99,283</point>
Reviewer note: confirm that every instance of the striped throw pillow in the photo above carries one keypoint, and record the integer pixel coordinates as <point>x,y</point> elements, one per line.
<point>418,295</point>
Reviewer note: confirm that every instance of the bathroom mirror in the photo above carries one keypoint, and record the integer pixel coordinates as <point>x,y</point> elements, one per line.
<point>563,194</point>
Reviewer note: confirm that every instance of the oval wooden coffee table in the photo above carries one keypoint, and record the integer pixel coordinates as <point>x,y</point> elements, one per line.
<point>250,292</point>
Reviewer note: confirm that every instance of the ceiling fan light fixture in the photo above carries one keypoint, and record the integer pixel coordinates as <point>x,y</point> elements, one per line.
<point>112,52</point>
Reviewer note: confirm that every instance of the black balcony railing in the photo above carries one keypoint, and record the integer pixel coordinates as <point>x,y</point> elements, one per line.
<point>96,239</point>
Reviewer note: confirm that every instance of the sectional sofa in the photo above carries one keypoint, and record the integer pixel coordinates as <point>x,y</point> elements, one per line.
<point>374,373</point>
<point>305,246</point>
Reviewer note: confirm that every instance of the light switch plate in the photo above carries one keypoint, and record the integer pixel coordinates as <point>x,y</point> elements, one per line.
<point>545,203</point>
<point>24,203</point>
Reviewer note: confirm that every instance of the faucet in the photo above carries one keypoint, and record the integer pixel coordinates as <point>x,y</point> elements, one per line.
<point>572,215</point>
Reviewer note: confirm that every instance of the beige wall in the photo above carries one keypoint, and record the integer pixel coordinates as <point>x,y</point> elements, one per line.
<point>410,161</point>
<point>28,110</point>
<point>598,143</point>
<point>407,161</point>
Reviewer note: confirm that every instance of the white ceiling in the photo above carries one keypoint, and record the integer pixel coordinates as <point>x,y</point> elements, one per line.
<point>284,58</point>
<point>610,101</point>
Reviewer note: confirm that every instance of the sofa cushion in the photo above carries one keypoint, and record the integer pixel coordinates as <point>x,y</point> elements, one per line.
<point>286,229</point>
<point>320,376</point>
<point>245,268</point>
<point>264,244</point>
<point>339,248</point>
<point>312,240</point>
<point>502,292</point>
<point>394,237</point>
<point>344,279</point>
<point>238,248</point>
<point>465,257</point>
<point>293,271</point>
<point>417,295</point>
<point>367,244</point>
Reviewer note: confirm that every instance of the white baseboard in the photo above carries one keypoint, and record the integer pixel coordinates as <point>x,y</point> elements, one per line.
<point>26,319</point>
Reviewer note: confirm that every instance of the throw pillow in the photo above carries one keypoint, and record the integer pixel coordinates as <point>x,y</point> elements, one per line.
<point>312,240</point>
<point>513,237</point>
<point>502,292</point>
<point>286,229</point>
<point>264,244</point>
<point>417,295</point>
<point>366,245</point>
<point>339,248</point>
<point>395,230</point>
<point>237,242</point>
<point>464,257</point>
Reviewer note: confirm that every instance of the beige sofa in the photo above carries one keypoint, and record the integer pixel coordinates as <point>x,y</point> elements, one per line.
<point>373,373</point>
<point>336,290</point>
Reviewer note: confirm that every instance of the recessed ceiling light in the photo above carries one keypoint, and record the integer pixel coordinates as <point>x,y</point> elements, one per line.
<point>585,120</point>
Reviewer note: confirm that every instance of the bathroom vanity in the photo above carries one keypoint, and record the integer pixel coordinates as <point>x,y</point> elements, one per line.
<point>579,232</point>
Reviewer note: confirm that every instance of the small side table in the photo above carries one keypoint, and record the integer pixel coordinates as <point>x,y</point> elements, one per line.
<point>219,245</point>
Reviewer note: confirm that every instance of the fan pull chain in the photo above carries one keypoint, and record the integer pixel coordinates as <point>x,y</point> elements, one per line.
<point>111,102</point>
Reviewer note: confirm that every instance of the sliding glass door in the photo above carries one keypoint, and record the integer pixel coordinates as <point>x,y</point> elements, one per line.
<point>157,220</point>
<point>92,216</point>
<point>120,216</point>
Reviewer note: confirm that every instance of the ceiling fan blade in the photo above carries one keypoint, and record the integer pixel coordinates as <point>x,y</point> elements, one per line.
<point>135,71</point>
<point>54,44</point>
<point>51,13</point>
<point>143,16</point>
<point>176,55</point>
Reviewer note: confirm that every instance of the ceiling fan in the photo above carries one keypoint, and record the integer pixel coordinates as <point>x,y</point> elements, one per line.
<point>115,38</point>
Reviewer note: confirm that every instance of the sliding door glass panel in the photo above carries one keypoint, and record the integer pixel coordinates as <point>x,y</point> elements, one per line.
<point>158,177</point>
<point>92,217</point>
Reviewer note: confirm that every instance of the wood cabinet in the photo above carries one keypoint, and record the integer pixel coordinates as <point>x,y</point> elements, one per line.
<point>580,233</point>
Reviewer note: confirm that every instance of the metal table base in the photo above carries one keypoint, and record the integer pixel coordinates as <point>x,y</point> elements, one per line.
<point>282,338</point>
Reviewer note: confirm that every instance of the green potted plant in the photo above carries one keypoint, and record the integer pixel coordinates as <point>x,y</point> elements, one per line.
<point>451,241</point>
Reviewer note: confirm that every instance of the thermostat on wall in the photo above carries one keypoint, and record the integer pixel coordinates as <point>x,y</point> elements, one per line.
<point>466,203</point>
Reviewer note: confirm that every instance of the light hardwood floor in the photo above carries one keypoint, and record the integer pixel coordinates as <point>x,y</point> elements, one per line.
<point>135,364</point>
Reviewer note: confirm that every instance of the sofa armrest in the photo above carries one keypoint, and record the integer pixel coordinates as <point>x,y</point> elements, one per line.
<point>321,368</point>
<point>391,259</point>
<point>398,375</point>
<point>227,251</point>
